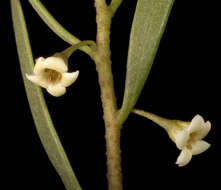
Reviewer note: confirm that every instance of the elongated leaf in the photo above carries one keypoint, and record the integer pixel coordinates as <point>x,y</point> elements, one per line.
<point>148,26</point>
<point>55,26</point>
<point>36,100</point>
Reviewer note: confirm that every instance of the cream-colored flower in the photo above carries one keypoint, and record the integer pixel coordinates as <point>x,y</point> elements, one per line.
<point>51,73</point>
<point>186,135</point>
<point>188,138</point>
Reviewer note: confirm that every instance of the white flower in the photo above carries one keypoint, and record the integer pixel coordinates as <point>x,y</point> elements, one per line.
<point>188,138</point>
<point>186,135</point>
<point>51,73</point>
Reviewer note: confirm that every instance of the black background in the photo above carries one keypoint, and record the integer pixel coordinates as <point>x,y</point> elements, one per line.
<point>184,81</point>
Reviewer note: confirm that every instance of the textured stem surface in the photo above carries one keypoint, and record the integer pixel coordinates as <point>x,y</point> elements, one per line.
<point>103,66</point>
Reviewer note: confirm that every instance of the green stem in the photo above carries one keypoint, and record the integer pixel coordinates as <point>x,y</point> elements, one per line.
<point>103,66</point>
<point>114,5</point>
<point>167,124</point>
<point>56,27</point>
<point>69,51</point>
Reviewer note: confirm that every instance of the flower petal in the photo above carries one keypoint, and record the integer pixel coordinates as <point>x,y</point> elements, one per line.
<point>199,147</point>
<point>196,124</point>
<point>69,78</point>
<point>184,157</point>
<point>181,138</point>
<point>55,63</point>
<point>38,80</point>
<point>56,90</point>
<point>38,68</point>
<point>205,130</point>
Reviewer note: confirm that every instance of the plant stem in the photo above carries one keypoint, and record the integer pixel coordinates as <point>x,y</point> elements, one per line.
<point>103,66</point>
<point>114,5</point>
<point>163,122</point>
<point>70,50</point>
<point>167,124</point>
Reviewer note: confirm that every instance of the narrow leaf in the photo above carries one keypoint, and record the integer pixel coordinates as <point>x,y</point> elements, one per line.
<point>147,28</point>
<point>37,103</point>
<point>56,27</point>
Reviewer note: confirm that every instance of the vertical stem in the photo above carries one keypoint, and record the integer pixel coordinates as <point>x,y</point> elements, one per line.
<point>103,66</point>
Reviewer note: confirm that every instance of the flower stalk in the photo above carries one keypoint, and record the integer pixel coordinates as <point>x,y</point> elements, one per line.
<point>103,67</point>
<point>69,51</point>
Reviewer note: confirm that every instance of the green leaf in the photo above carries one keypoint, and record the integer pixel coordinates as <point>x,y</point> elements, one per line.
<point>37,103</point>
<point>148,26</point>
<point>56,27</point>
